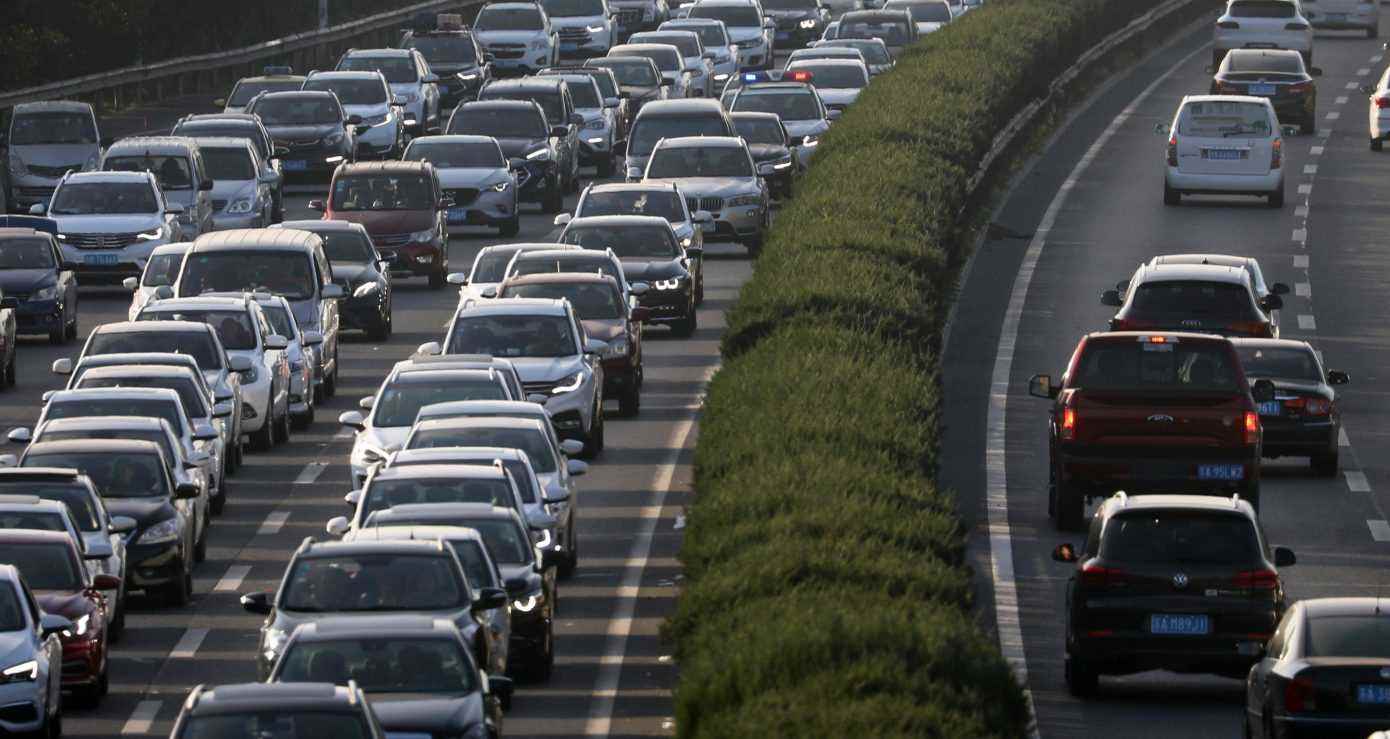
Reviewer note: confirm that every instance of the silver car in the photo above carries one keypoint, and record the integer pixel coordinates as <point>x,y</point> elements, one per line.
<point>47,140</point>
<point>489,268</point>
<point>161,270</point>
<point>413,86</point>
<point>368,96</point>
<point>178,166</point>
<point>518,36</point>
<point>585,27</point>
<point>798,105</point>
<point>33,660</point>
<point>752,32</point>
<point>720,50</point>
<point>242,184</point>
<point>644,199</point>
<point>300,352</point>
<point>717,173</point>
<point>475,174</point>
<point>109,222</point>
<point>697,64</point>
<point>600,127</point>
<point>669,62</point>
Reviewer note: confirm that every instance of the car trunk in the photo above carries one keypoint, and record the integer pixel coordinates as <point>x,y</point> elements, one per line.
<point>1160,419</point>
<point>1234,155</point>
<point>1343,686</point>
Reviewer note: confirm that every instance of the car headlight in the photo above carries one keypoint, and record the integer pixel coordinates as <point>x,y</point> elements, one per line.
<point>24,672</point>
<point>595,29</point>
<point>333,139</point>
<point>500,186</point>
<point>532,600</point>
<point>544,539</point>
<point>239,207</point>
<point>687,241</point>
<point>376,120</point>
<point>721,76</point>
<point>80,626</point>
<point>616,348</point>
<point>161,533</point>
<point>407,97</point>
<point>469,77</point>
<point>426,235</point>
<point>45,293</point>
<point>672,284</point>
<point>735,202</point>
<point>149,235</point>
<point>810,141</point>
<point>596,124</point>
<point>539,155</point>
<point>538,44</point>
<point>568,384</point>
<point>808,23</point>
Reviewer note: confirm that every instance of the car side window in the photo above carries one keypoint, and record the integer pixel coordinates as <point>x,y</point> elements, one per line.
<point>1093,536</point>
<point>35,613</point>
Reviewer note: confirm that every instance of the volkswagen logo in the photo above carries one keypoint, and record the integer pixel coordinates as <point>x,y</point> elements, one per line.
<point>1161,418</point>
<point>1180,580</point>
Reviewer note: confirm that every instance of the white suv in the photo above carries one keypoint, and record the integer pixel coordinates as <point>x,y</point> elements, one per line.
<point>518,36</point>
<point>1224,144</point>
<point>1262,24</point>
<point>109,222</point>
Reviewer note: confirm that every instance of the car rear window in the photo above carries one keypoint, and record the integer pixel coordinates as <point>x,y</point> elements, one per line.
<point>1220,301</point>
<point>280,723</point>
<point>383,494</point>
<point>1361,635</point>
<point>1259,62</point>
<point>75,496</point>
<point>1224,118</point>
<point>1262,9</point>
<point>1277,362</point>
<point>198,345</point>
<point>1170,366</point>
<point>1180,537</point>
<point>550,102</point>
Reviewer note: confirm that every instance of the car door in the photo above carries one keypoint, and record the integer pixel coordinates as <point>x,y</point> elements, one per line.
<point>328,313</point>
<point>272,360</point>
<point>203,198</point>
<point>47,650</point>
<point>429,91</point>
<point>67,283</point>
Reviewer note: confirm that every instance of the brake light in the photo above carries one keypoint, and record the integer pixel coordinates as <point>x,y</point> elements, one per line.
<point>798,75</point>
<point>1172,151</point>
<point>1230,25</point>
<point>1252,427</point>
<point>1383,102</point>
<point>1295,26</point>
<point>1158,339</point>
<point>1276,156</point>
<point>1310,406</point>
<point>1301,87</point>
<point>1299,695</point>
<point>1094,575</point>
<point>1223,88</point>
<point>1257,580</point>
<point>1249,328</point>
<point>1068,424</point>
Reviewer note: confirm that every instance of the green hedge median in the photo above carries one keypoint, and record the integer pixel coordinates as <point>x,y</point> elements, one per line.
<point>826,592</point>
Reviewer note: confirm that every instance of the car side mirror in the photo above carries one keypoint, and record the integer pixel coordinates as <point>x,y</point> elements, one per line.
<point>316,205</point>
<point>489,598</point>
<point>1064,553</point>
<point>1315,71</point>
<point>185,491</point>
<point>106,582</point>
<point>20,435</point>
<point>1272,302</point>
<point>639,288</point>
<point>121,525</point>
<point>353,498</point>
<point>1337,377</point>
<point>559,132</point>
<point>37,209</point>
<point>576,119</point>
<point>257,603</point>
<point>641,314</point>
<point>52,623</point>
<point>204,431</point>
<point>131,283</point>
<point>576,468</point>
<point>595,346</point>
<point>331,292</point>
<point>354,120</point>
<point>205,185</point>
<point>1111,298</point>
<point>239,363</point>
<point>1284,557</point>
<point>337,526</point>
<point>572,447</point>
<point>1161,129</point>
<point>833,114</point>
<point>1040,386</point>
<point>695,252</point>
<point>430,348</point>
<point>430,79</point>
<point>222,409</point>
<point>276,341</point>
<point>62,366</point>
<point>1262,391</point>
<point>562,219</point>
<point>457,278</point>
<point>352,420</point>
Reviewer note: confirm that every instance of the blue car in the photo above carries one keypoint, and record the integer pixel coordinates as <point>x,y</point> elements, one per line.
<point>38,288</point>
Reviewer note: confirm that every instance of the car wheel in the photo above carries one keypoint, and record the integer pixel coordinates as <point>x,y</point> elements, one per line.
<point>700,288</point>
<point>1325,465</point>
<point>1373,31</point>
<point>1171,196</point>
<point>54,730</point>
<point>304,420</point>
<point>178,593</point>
<point>1068,507</point>
<point>1308,125</point>
<point>438,278</point>
<point>117,628</point>
<point>219,501</point>
<point>1276,198</point>
<point>604,166</point>
<point>593,441</point>
<point>330,382</point>
<point>264,439</point>
<point>10,375</point>
<point>60,335</point>
<point>571,562</point>
<point>71,328</point>
<point>554,199</point>
<point>630,402</point>
<point>543,661</point>
<point>200,547</point>
<point>1376,144</point>
<point>1082,678</point>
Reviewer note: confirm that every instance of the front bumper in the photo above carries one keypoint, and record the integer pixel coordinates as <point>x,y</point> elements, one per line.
<point>1129,652</point>
<point>110,264</point>
<point>744,221</point>
<point>414,259</point>
<point>1102,471</point>
<point>667,305</point>
<point>619,374</point>
<point>753,58</point>
<point>595,144</point>
<point>22,707</point>
<point>529,61</point>
<point>305,162</point>
<point>379,142</point>
<point>361,314</point>
<point>222,222</point>
<point>255,402</point>
<point>488,208</point>
<point>38,316</point>
<point>537,180</point>
<point>1257,184</point>
<point>529,629</point>
<point>588,45</point>
<point>153,565</point>
<point>572,412</point>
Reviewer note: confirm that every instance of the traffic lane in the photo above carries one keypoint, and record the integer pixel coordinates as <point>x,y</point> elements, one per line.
<point>1109,225</point>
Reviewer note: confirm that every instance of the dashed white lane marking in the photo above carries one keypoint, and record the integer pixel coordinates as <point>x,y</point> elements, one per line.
<point>310,473</point>
<point>1362,72</point>
<point>1307,322</point>
<point>1300,211</point>
<point>1310,169</point>
<point>142,718</point>
<point>232,580</point>
<point>1342,439</point>
<point>1341,100</point>
<point>1305,189</point>
<point>188,645</point>
<point>1334,115</point>
<point>1352,85</point>
<point>1380,530</point>
<point>1324,133</point>
<point>1300,235</point>
<point>1302,289</point>
<point>1357,482</point>
<point>273,523</point>
<point>1315,150</point>
<point>1300,261</point>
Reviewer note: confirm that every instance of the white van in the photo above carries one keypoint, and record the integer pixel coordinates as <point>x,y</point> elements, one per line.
<point>1224,144</point>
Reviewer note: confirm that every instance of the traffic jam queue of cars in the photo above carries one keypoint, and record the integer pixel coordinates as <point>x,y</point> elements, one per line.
<point>439,585</point>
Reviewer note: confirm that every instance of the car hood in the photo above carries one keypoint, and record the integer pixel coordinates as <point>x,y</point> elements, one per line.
<point>388,438</point>
<point>231,190</point>
<point>145,511</point>
<point>806,128</point>
<point>745,33</point>
<point>639,92</point>
<point>646,270</point>
<point>302,133</point>
<point>367,111</point>
<point>109,223</point>
<point>768,152</point>
<point>25,280</point>
<point>67,603</point>
<point>604,329</point>
<point>712,186</point>
<point>507,37</point>
<point>427,714</point>
<point>519,147</point>
<point>838,95</point>
<point>471,176</point>
<point>57,155</point>
<point>545,369</point>
<point>350,271</point>
<point>389,221</point>
<point>14,647</point>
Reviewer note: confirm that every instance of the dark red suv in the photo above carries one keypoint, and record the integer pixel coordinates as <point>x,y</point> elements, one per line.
<point>403,209</point>
<point>1151,411</point>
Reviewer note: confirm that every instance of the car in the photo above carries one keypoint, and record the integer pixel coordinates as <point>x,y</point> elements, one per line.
<point>637,15</point>
<point>161,270</point>
<point>749,30</point>
<point>770,146</point>
<point>103,534</point>
<point>825,52</point>
<point>1262,24</point>
<point>257,708</point>
<point>534,151</point>
<point>669,61</point>
<point>838,82</point>
<point>242,126</point>
<point>668,119</point>
<point>1185,583</point>
<point>600,127</point>
<point>39,287</point>
<point>109,222</point>
<point>300,350</point>
<point>33,687</point>
<point>359,270</point>
<point>524,570</point>
<point>362,581</point>
<point>584,28</point>
<point>289,263</point>
<point>386,197</point>
<point>51,564</point>
<point>928,15</point>
<point>650,254</point>
<point>271,79</point>
<point>643,199</point>
<point>719,49</point>
<point>242,185</point>
<point>575,259</point>
<point>178,165</point>
<point>32,513</point>
<point>245,332</point>
<point>617,108</point>
<point>387,487</point>
<point>1249,264</point>
<point>514,409</point>
<point>1275,74</point>
<point>639,81</point>
<point>564,122</point>
<point>1208,297</point>
<point>454,54</point>
<point>1112,426</point>
<point>367,95</point>
<point>1320,674</point>
<point>698,71</point>
<point>799,105</point>
<point>717,174</point>
<point>390,413</point>
<point>875,51</point>
<point>799,22</point>
<point>414,86</point>
<point>505,370</point>
<point>1224,144</point>
<point>315,132</point>
<point>133,479</point>
<point>547,343</point>
<point>417,672</point>
<point>46,140</point>
<point>476,176</point>
<point>895,27</point>
<point>490,268</point>
<point>1304,418</point>
<point>1378,106</point>
<point>518,35</point>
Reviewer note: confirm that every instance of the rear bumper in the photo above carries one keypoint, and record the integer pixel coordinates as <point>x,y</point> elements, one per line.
<point>1101,471</point>
<point>1302,727</point>
<point>1300,438</point>
<point>1129,653</point>
<point>1353,19</point>
<point>82,661</point>
<point>1255,184</point>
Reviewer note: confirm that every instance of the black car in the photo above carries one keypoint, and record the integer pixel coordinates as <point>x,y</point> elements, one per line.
<point>37,285</point>
<point>1303,419</point>
<point>553,95</point>
<point>526,138</point>
<point>312,128</point>
<point>639,81</point>
<point>418,673</point>
<point>1325,673</point>
<point>799,22</point>
<point>360,271</point>
<point>1185,583</point>
<point>769,145</point>
<point>457,58</point>
<point>259,709</point>
<point>674,275</point>
<point>1276,74</point>
<point>241,126</point>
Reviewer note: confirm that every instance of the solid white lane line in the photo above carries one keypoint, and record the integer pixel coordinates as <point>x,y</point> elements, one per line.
<point>1307,322</point>
<point>1334,115</point>
<point>232,580</point>
<point>1342,439</point>
<point>1310,169</point>
<point>142,718</point>
<point>1380,530</point>
<point>1300,261</point>
<point>1300,235</point>
<point>1305,189</point>
<point>1357,482</point>
<point>310,473</point>
<point>1302,289</point>
<point>273,523</point>
<point>343,433</point>
<point>1324,133</point>
<point>188,645</point>
<point>1341,100</point>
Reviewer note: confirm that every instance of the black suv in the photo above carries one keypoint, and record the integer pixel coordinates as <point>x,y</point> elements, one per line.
<point>1170,582</point>
<point>315,134</point>
<point>260,709</point>
<point>521,128</point>
<point>553,95</point>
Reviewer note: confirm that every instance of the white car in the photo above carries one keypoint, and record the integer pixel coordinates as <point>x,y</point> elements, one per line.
<point>242,193</point>
<point>1344,15</point>
<point>518,36</point>
<point>1224,144</point>
<point>1262,24</point>
<point>1378,110</point>
<point>413,86</point>
<point>837,81</point>
<point>368,96</point>
<point>928,15</point>
<point>585,27</point>
<point>109,222</point>
<point>751,32</point>
<point>720,50</point>
<point>668,61</point>
<point>161,270</point>
<point>489,268</point>
<point>300,353</point>
<point>697,62</point>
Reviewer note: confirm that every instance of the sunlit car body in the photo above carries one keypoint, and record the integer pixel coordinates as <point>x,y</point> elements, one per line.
<point>798,104</point>
<point>161,270</point>
<point>1224,144</point>
<point>720,50</point>
<point>1207,297</point>
<point>668,119</point>
<point>489,268</point>
<point>535,151</point>
<point>729,188</point>
<point>476,176</point>
<point>242,126</point>
<point>242,185</point>
<point>645,199</point>
<point>109,222</point>
<point>315,132</point>
<point>518,35</point>
<point>650,254</point>
<point>366,95</point>
<point>413,85</point>
<point>748,29</point>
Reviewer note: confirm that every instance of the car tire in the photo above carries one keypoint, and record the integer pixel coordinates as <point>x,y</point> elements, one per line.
<point>71,328</point>
<point>200,547</point>
<point>116,630</point>
<point>604,166</point>
<point>438,279</point>
<point>330,382</point>
<point>1082,679</point>
<point>630,402</point>
<point>219,501</point>
<point>554,199</point>
<point>90,696</point>
<point>1068,508</point>
<point>1376,144</point>
<point>178,593</point>
<point>1276,198</point>
<point>301,421</point>
<point>1171,196</point>
<point>264,439</point>
<point>379,331</point>
<point>1325,465</point>
<point>593,441</point>
<point>60,335</point>
<point>542,663</point>
<point>285,423</point>
<point>54,729</point>
<point>10,374</point>
<point>700,288</point>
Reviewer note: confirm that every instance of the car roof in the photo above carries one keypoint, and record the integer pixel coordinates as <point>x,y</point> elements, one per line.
<point>163,393</point>
<point>346,74</point>
<point>443,511</point>
<point>1193,272</point>
<point>561,278</point>
<point>833,61</point>
<point>706,106</point>
<point>455,138</point>
<point>35,536</point>
<point>318,226</point>
<point>514,306</point>
<point>107,176</point>
<point>649,46</point>
<point>1170,335</point>
<point>619,220</point>
<point>497,103</point>
<point>93,361</point>
<point>286,94</point>
<point>415,532</point>
<point>749,115</point>
<point>152,145</point>
<point>139,370</point>
<point>223,142</point>
<point>251,118</point>
<point>338,548</point>
<point>105,422</point>
<point>378,52</point>
<point>132,327</point>
<point>421,457</point>
<point>179,248</point>
<point>31,502</point>
<point>39,474</point>
<point>634,186</point>
<point>395,625</point>
<point>262,239</point>
<point>1224,260</point>
<point>1272,343</point>
<point>466,422</point>
<point>53,106</point>
<point>546,83</point>
<point>199,302</point>
<point>564,253</point>
<point>430,471</point>
<point>1225,98</point>
<point>492,406</point>
<point>1119,503</point>
<point>247,697</point>
<point>390,166</point>
<point>693,142</point>
<point>1344,606</point>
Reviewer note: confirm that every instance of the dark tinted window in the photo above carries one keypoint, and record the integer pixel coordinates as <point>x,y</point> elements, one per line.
<point>350,91</point>
<point>699,161</point>
<point>277,724</point>
<point>244,90</point>
<point>475,564</point>
<point>188,391</point>
<point>225,163</point>
<point>734,16</point>
<point>599,264</point>
<point>162,269</point>
<point>591,301</point>
<point>126,476</point>
<point>925,12</point>
<point>1135,365</point>
<point>103,198</point>
<point>235,328</point>
<point>44,566</point>
<point>661,203</point>
<point>667,60</point>
<point>531,441</point>
<point>298,110</point>
<point>78,500</point>
<point>32,520</point>
<point>32,129</point>
<point>1180,538</point>
<point>383,192</point>
<point>516,123</point>
<point>373,582</point>
<point>1365,636</point>
<point>508,19</point>
<point>550,102</point>
<point>836,76</point>
<point>1282,363</point>
<point>584,94</point>
<point>1221,301</point>
<point>342,247</point>
<point>88,407</point>
<point>513,336</point>
<point>651,129</point>
<point>229,129</point>
<point>490,265</point>
<point>789,106</point>
<point>279,320</point>
<point>26,252</point>
<point>383,665</point>
<point>286,273</point>
<point>383,494</point>
<point>158,437</point>
<point>444,49</point>
<point>710,34</point>
<point>396,69</point>
<point>198,345</point>
<point>760,131</point>
<point>635,73</point>
<point>1259,62</point>
<point>873,53</point>
<point>572,8</point>
<point>1262,9</point>
<point>401,402</point>
<point>11,611</point>
<point>636,242</point>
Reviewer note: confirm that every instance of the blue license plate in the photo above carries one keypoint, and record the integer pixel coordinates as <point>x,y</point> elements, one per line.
<point>1262,89</point>
<point>294,165</point>
<point>1224,472</point>
<point>1336,17</point>
<point>458,214</point>
<point>99,259</point>
<point>1374,694</point>
<point>1223,154</point>
<point>1179,624</point>
<point>1271,408</point>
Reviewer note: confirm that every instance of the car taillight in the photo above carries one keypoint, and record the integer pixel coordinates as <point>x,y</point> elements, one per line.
<point>1300,696</point>
<point>1295,26</point>
<point>1276,156</point>
<point>1310,406</point>
<point>1257,580</point>
<point>1068,424</point>
<point>1095,575</point>
<point>1252,427</point>
<point>1383,102</point>
<point>1258,329</point>
<point>1300,87</point>
<point>1172,151</point>
<point>1229,25</point>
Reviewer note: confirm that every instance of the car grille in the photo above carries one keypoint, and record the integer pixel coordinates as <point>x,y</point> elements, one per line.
<point>391,240</point>
<point>218,205</point>
<point>35,192</point>
<point>54,172</point>
<point>100,241</point>
<point>751,43</point>
<point>543,388</point>
<point>463,195</point>
<point>574,33</point>
<point>713,205</point>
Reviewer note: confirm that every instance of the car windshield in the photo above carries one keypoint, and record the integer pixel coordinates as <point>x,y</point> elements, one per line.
<point>279,320</point>
<point>234,327</point>
<point>1259,61</point>
<point>79,502</point>
<point>32,520</point>
<point>449,155</point>
<point>924,12</point>
<point>245,90</point>
<point>591,301</point>
<point>647,131</point>
<point>87,407</point>
<point>534,266</point>
<point>549,102</point>
<point>689,46</point>
<point>1366,636</point>
<point>172,171</point>
<point>401,401</point>
<point>508,19</point>
<point>634,74</point>
<point>383,494</point>
<point>382,664</point>
<point>761,131</point>
<point>506,541</point>
<point>533,441</point>
<point>584,94</point>
<point>836,76</point>
<point>26,252</point>
<point>789,106</point>
<point>734,16</point>
<point>162,269</point>
<point>518,335</point>
<point>1262,9</point>
<point>188,391</point>
<point>607,86</point>
<point>280,723</point>
<point>444,49</point>
<point>1279,362</point>
<point>660,203</point>
<point>33,129</point>
<point>225,129</point>
<point>351,91</point>
<point>115,476</point>
<point>789,4</point>
<point>396,69</point>
<point>1193,299</point>
<point>299,110</point>
<point>510,122</point>
<point>104,198</point>
<point>229,164</point>
<point>893,32</point>
<point>285,273</point>
<point>383,192</point>
<point>489,265</point>
<point>476,567</point>
<point>631,242</point>
<point>699,161</point>
<point>44,566</point>
<point>873,53</point>
<point>1167,367</point>
<point>1224,119</point>
<point>667,60</point>
<point>11,612</point>
<point>344,247</point>
<point>572,8</point>
<point>1180,537</point>
<point>196,344</point>
<point>158,437</point>
<point>710,34</point>
<point>373,582</point>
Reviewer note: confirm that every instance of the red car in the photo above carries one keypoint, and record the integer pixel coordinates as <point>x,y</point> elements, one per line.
<point>1143,412</point>
<point>1207,298</point>
<point>53,567</point>
<point>403,209</point>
